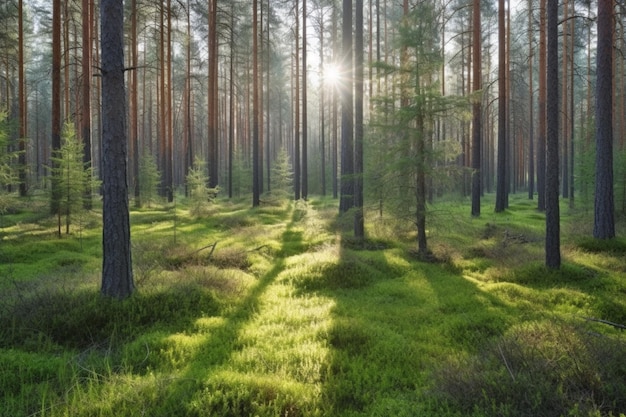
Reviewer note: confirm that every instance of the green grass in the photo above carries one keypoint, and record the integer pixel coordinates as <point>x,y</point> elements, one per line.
<point>278,311</point>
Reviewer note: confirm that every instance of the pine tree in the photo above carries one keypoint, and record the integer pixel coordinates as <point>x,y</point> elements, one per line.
<point>149,180</point>
<point>71,176</point>
<point>197,186</point>
<point>282,175</point>
<point>7,172</point>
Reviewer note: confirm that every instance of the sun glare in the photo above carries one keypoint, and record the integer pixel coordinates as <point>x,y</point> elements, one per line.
<point>332,74</point>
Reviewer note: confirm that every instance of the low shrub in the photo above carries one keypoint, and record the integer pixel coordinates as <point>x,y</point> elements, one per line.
<point>547,368</point>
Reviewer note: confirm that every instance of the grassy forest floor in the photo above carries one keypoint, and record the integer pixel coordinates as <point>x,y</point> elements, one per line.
<point>275,311</point>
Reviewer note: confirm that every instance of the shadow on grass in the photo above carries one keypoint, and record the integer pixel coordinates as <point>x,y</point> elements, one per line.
<point>394,317</point>
<point>188,391</point>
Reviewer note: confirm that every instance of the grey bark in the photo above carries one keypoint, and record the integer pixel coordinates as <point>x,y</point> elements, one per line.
<point>117,273</point>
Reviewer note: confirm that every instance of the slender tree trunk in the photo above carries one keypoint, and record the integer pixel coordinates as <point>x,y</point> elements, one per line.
<point>268,148</point>
<point>322,105</point>
<point>604,209</point>
<point>476,109</point>
<point>565,102</point>
<point>347,106</point>
<point>553,251</point>
<point>334,111</point>
<point>359,228</point>
<point>256,186</point>
<point>117,273</point>
<point>297,179</point>
<point>189,145</point>
<point>531,94</point>
<point>134,102</point>
<point>162,105</point>
<point>305,118</point>
<point>213,156</point>
<point>231,113</point>
<point>56,101</point>
<point>501,185</point>
<point>22,101</point>
<point>169,165</point>
<point>541,139</point>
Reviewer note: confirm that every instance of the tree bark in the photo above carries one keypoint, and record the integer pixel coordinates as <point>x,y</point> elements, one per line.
<point>297,180</point>
<point>213,156</point>
<point>22,101</point>
<point>305,118</point>
<point>256,186</point>
<point>531,110</point>
<point>56,100</point>
<point>541,137</point>
<point>117,273</point>
<point>347,130</point>
<point>359,227</point>
<point>476,110</point>
<point>604,209</point>
<point>501,188</point>
<point>553,251</point>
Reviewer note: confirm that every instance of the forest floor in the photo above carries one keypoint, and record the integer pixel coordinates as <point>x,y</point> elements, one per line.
<point>278,311</point>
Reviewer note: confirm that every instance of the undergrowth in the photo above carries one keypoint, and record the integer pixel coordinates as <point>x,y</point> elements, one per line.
<point>279,311</point>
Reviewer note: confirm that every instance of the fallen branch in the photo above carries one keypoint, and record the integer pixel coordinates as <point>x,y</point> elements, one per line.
<point>257,248</point>
<point>610,323</point>
<point>212,246</point>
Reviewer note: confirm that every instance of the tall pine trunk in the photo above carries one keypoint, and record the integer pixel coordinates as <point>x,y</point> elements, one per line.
<point>604,215</point>
<point>359,228</point>
<point>347,105</point>
<point>501,185</point>
<point>476,109</point>
<point>553,254</point>
<point>117,273</point>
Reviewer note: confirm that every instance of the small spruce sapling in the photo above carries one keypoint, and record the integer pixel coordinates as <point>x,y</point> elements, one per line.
<point>73,176</point>
<point>198,189</point>
<point>148,180</point>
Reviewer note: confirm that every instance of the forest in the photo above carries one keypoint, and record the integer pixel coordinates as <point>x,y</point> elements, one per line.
<point>312,208</point>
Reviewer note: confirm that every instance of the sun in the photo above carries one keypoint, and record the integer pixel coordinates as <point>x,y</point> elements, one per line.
<point>332,74</point>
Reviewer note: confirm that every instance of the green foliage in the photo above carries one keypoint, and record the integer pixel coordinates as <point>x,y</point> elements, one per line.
<point>242,174</point>
<point>404,155</point>
<point>149,178</point>
<point>8,174</point>
<point>197,186</point>
<point>71,175</point>
<point>282,175</point>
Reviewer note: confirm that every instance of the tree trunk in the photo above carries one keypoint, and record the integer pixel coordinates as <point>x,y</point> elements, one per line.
<point>22,101</point>
<point>305,173</point>
<point>553,251</point>
<point>604,210</point>
<point>531,111</point>
<point>133,96</point>
<point>541,137</point>
<point>256,186</point>
<point>231,113</point>
<point>296,105</point>
<point>213,156</point>
<point>347,140</point>
<point>334,111</point>
<point>501,185</point>
<point>476,110</point>
<point>117,274</point>
<point>322,105</point>
<point>359,228</point>
<point>56,101</point>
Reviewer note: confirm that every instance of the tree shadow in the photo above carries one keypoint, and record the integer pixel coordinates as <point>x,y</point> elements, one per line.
<point>223,340</point>
<point>395,318</point>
